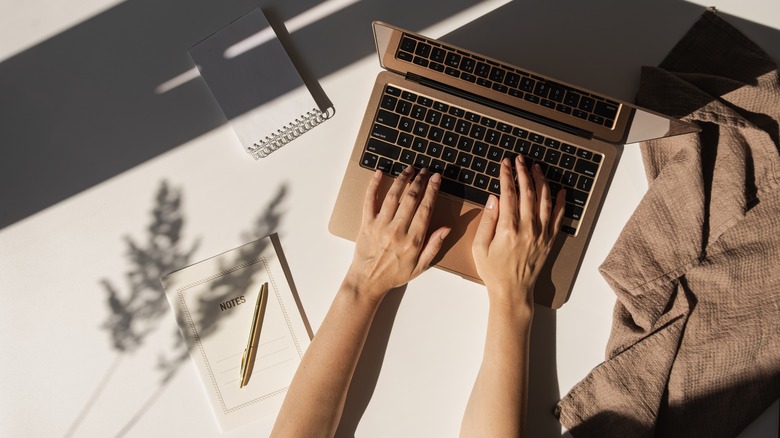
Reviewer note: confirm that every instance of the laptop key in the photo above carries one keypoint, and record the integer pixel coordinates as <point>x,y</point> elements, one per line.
<point>482,70</point>
<point>397,169</point>
<point>586,167</point>
<point>434,149</point>
<point>556,94</point>
<point>552,156</point>
<point>421,129</point>
<point>492,136</point>
<point>576,197</point>
<point>573,211</point>
<point>569,178</point>
<point>481,181</point>
<point>408,156</point>
<point>567,161</point>
<point>387,118</point>
<point>419,144</point>
<point>478,164</point>
<point>425,101</point>
<point>527,85</point>
<point>453,60</point>
<point>418,112</point>
<point>385,133</point>
<point>585,183</point>
<point>384,165</point>
<point>480,149</point>
<point>586,104</point>
<point>404,107</point>
<point>404,140</point>
<point>369,160</point>
<point>382,148</point>
<point>406,124</point>
<point>468,77</point>
<point>423,50</point>
<point>420,61</point>
<point>607,110</point>
<point>495,186</point>
<point>463,191</point>
<point>422,161</point>
<point>493,169</point>
<point>438,54</point>
<point>409,96</point>
<point>477,132</point>
<point>388,102</point>
<point>466,176</point>
<point>393,91</point>
<point>433,117</point>
<point>436,134</point>
<point>408,44</point>
<point>404,56</point>
<point>497,74</point>
<point>449,155</point>
<point>437,166</point>
<point>571,98</point>
<point>467,65</point>
<point>451,172</point>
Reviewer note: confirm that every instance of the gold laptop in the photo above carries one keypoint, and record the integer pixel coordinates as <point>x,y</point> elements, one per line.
<point>460,113</point>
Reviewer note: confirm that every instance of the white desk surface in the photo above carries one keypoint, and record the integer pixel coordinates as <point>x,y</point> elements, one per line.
<point>60,374</point>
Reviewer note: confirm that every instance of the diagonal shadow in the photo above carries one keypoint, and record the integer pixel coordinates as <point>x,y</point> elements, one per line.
<point>136,309</point>
<point>81,107</point>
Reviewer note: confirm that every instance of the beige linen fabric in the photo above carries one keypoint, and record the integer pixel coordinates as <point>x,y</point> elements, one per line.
<point>695,343</point>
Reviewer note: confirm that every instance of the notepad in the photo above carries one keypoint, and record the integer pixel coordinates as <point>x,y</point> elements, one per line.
<point>213,302</point>
<point>268,102</point>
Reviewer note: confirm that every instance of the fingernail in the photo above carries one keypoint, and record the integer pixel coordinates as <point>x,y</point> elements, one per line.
<point>424,171</point>
<point>521,158</point>
<point>435,177</point>
<point>444,233</point>
<point>408,170</point>
<point>378,174</point>
<point>491,202</point>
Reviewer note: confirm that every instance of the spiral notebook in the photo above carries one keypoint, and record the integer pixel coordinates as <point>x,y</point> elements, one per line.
<point>253,78</point>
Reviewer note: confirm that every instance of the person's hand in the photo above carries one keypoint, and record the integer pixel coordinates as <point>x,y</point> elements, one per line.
<point>391,249</point>
<point>515,235</point>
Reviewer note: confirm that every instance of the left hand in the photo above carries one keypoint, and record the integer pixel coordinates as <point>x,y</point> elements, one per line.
<point>391,248</point>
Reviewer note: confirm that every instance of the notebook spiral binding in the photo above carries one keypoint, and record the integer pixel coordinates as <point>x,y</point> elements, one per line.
<point>290,132</point>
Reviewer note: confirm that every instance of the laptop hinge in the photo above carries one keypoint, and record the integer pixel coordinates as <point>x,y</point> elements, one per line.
<point>500,106</point>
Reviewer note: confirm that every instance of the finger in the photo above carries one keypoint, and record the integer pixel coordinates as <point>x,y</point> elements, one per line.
<point>507,212</point>
<point>422,217</point>
<point>435,242</point>
<point>390,204</point>
<point>526,194</point>
<point>486,229</point>
<point>542,197</point>
<point>369,204</point>
<point>411,199</point>
<point>557,213</point>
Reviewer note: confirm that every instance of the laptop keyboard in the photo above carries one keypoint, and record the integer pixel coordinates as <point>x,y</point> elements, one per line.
<point>508,80</point>
<point>467,149</point>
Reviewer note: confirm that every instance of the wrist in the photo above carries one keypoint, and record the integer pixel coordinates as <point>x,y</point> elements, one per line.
<point>515,303</point>
<point>357,286</point>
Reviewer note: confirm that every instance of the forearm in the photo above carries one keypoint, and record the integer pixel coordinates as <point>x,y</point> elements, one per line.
<point>316,397</point>
<point>497,404</point>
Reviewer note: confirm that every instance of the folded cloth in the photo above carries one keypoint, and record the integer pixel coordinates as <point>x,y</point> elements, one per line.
<point>695,343</point>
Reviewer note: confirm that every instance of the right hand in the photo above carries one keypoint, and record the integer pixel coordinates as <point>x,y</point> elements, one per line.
<point>516,234</point>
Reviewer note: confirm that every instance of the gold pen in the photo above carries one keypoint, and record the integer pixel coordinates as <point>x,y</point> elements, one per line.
<point>248,358</point>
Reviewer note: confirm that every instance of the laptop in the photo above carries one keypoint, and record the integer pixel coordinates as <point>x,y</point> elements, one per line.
<point>459,113</point>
